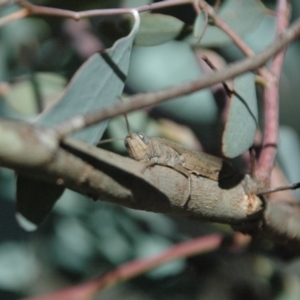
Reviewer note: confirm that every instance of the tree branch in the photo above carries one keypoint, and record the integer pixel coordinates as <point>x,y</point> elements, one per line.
<point>104,175</point>
<point>56,12</point>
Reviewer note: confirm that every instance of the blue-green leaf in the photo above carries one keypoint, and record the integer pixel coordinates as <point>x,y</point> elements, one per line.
<point>242,117</point>
<point>288,154</point>
<point>169,64</point>
<point>240,15</point>
<point>97,84</point>
<point>199,25</point>
<point>157,29</point>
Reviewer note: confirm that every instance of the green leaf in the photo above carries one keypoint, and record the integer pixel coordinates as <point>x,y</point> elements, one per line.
<point>97,84</point>
<point>241,123</point>
<point>240,15</point>
<point>258,39</point>
<point>169,64</point>
<point>157,29</point>
<point>288,154</point>
<point>200,24</point>
<point>25,32</point>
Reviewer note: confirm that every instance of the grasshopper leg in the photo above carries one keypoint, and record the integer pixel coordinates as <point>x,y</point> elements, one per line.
<point>150,163</point>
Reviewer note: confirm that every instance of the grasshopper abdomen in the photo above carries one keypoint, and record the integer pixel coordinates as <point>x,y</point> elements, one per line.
<point>166,153</point>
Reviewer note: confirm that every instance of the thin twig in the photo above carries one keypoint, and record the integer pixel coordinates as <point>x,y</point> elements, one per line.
<point>17,15</point>
<point>271,102</point>
<point>135,268</point>
<point>293,186</point>
<point>143,100</point>
<point>43,10</point>
<point>209,10</point>
<point>49,11</point>
<point>217,5</point>
<point>219,22</point>
<point>227,89</point>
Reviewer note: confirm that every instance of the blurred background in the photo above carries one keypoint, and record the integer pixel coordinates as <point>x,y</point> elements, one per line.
<point>83,238</point>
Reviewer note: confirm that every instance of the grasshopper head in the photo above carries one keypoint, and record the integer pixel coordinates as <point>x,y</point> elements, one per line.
<point>137,145</point>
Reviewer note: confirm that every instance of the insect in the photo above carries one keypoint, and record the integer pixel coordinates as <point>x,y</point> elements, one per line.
<point>163,152</point>
<point>158,151</point>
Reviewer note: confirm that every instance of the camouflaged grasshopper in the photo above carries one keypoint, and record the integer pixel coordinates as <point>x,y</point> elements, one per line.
<point>152,150</point>
<point>159,151</point>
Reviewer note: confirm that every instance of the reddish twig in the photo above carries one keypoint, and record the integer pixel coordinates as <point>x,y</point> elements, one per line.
<point>219,22</point>
<point>135,268</point>
<point>43,10</point>
<point>271,103</point>
<point>143,100</point>
<point>56,12</point>
<point>19,14</point>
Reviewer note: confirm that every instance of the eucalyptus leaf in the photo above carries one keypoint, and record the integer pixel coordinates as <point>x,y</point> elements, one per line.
<point>199,25</point>
<point>257,39</point>
<point>240,15</point>
<point>242,117</point>
<point>97,84</point>
<point>25,32</point>
<point>156,29</point>
<point>169,64</point>
<point>288,154</point>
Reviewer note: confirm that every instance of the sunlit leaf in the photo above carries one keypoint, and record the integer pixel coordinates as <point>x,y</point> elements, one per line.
<point>97,84</point>
<point>157,29</point>
<point>240,15</point>
<point>242,117</point>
